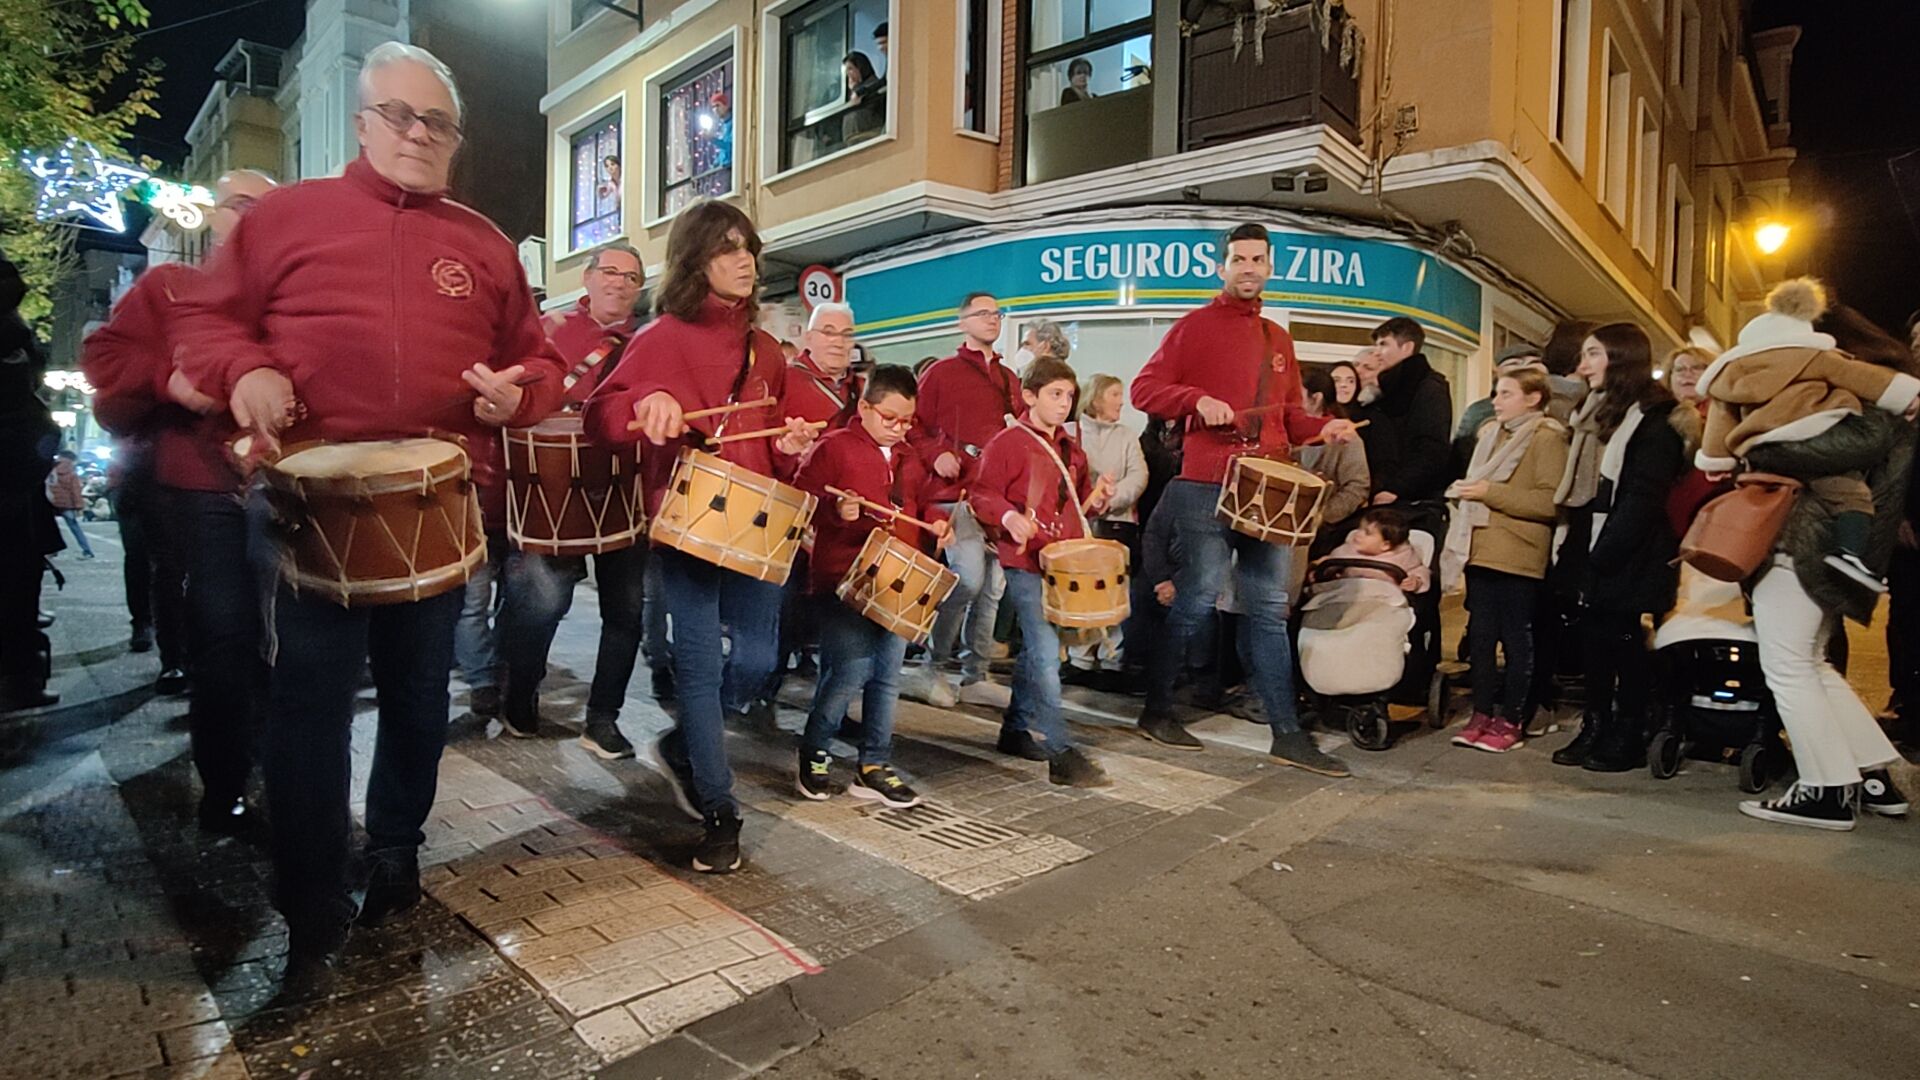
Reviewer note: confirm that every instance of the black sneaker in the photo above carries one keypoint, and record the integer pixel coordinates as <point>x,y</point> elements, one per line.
<point>1576,751</point>
<point>1856,571</point>
<point>663,686</point>
<point>719,850</point>
<point>521,718</point>
<point>1618,748</point>
<point>484,702</point>
<point>393,885</point>
<point>815,777</point>
<point>313,952</point>
<point>761,718</point>
<point>1297,748</point>
<point>172,682</point>
<point>142,640</point>
<point>853,732</point>
<point>1879,796</point>
<point>669,755</point>
<point>1073,768</point>
<point>881,784</point>
<point>1162,728</point>
<point>1075,675</point>
<point>602,736</point>
<point>1020,743</point>
<point>1803,804</point>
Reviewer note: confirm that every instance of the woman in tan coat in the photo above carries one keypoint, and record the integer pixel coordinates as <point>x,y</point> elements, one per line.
<point>1502,538</point>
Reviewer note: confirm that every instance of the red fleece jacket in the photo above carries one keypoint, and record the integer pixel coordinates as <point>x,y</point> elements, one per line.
<point>578,337</point>
<point>373,300</point>
<point>962,402</point>
<point>850,460</point>
<point>1220,351</point>
<point>698,363</point>
<point>815,396</point>
<point>1017,473</point>
<point>128,361</point>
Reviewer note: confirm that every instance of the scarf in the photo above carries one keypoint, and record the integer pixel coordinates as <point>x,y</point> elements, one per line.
<point>1612,460</point>
<point>1581,482</point>
<point>1495,465</point>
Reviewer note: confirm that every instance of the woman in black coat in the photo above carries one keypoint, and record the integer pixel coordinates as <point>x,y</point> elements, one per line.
<point>1631,444</point>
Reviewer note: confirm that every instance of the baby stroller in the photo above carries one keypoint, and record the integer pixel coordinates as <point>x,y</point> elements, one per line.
<point>1353,641</point>
<point>1713,703</point>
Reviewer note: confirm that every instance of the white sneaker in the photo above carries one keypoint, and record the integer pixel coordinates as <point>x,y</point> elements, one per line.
<point>1850,565</point>
<point>985,692</point>
<point>930,686</point>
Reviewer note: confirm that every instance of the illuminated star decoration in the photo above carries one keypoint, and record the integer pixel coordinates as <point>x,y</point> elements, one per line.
<point>77,180</point>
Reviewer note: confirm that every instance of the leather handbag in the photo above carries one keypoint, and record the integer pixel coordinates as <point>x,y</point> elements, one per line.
<point>1733,535</point>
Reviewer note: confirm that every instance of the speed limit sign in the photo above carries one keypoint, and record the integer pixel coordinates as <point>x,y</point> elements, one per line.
<point>819,285</point>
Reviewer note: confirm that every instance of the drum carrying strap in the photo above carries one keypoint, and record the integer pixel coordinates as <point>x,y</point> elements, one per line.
<point>1066,477</point>
<point>739,381</point>
<point>1255,424</point>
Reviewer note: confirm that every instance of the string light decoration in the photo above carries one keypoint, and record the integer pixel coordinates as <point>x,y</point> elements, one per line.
<point>77,182</point>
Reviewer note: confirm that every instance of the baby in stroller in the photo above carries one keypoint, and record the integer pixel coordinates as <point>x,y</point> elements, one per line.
<point>1356,620</point>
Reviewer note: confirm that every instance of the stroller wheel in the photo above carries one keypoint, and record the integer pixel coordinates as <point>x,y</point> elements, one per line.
<point>1756,766</point>
<point>1367,727</point>
<point>1437,701</point>
<point>1663,755</point>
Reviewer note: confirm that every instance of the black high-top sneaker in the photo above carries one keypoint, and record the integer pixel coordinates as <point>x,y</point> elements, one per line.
<point>1804,804</point>
<point>1879,796</point>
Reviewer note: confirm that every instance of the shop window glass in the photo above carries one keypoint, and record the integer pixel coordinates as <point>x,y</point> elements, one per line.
<point>834,78</point>
<point>595,217</point>
<point>696,135</point>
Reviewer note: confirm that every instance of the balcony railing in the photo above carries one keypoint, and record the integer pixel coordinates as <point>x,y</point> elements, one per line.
<point>1281,79</point>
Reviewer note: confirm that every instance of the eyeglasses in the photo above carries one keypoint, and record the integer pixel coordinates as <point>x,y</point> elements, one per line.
<point>836,335</point>
<point>890,421</point>
<point>633,277</point>
<point>983,314</point>
<point>400,117</point>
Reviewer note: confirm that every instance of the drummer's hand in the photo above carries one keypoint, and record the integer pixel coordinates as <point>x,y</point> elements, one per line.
<point>1475,490</point>
<point>1214,412</point>
<point>263,403</point>
<point>1163,592</point>
<point>1020,526</point>
<point>658,415</point>
<point>498,397</point>
<point>798,437</point>
<point>1339,431</point>
<point>182,392</point>
<point>947,465</point>
<point>942,534</point>
<point>849,510</point>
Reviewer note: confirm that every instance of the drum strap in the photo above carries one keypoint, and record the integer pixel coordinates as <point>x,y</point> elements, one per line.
<point>609,346</point>
<point>843,406</point>
<point>739,380</point>
<point>1066,477</point>
<point>999,385</point>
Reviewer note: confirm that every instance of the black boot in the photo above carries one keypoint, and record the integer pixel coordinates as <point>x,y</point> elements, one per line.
<point>393,885</point>
<point>1575,752</point>
<point>1619,747</point>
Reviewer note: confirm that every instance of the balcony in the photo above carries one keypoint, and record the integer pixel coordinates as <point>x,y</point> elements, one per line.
<point>1282,79</point>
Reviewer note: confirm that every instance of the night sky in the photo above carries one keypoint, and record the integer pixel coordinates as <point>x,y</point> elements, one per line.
<point>1854,107</point>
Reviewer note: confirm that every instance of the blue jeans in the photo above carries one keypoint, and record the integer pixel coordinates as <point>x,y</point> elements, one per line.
<point>1036,673</point>
<point>225,621</point>
<point>1208,550</point>
<point>539,592</point>
<point>322,650</point>
<point>707,603</point>
<point>72,518</point>
<point>857,656</point>
<point>473,644</point>
<point>658,651</point>
<point>974,604</point>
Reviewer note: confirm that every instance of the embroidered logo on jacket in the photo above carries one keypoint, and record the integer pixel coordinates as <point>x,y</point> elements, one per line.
<point>452,278</point>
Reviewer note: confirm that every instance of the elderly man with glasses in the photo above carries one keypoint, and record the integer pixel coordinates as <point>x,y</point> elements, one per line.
<point>387,311</point>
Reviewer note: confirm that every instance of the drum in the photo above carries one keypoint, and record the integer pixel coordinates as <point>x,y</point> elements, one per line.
<point>373,523</point>
<point>897,585</point>
<point>732,517</point>
<point>1083,583</point>
<point>1271,500</point>
<point>569,496</point>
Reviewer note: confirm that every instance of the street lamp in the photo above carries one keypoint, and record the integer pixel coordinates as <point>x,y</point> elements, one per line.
<point>1770,230</point>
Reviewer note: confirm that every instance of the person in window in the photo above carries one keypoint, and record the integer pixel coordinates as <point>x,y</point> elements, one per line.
<point>880,42</point>
<point>609,190</point>
<point>866,99</point>
<point>1079,74</point>
<point>722,133</point>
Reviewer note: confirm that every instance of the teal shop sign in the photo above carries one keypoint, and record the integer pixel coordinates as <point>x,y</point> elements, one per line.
<point>1156,266</point>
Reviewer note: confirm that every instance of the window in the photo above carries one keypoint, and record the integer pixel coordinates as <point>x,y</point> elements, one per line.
<point>1716,243</point>
<point>582,11</point>
<point>833,92</point>
<point>1683,63</point>
<point>595,190</point>
<point>1615,134</point>
<point>976,109</point>
<point>696,135</point>
<point>1679,250</point>
<point>1088,103</point>
<point>1646,171</point>
<point>1573,44</point>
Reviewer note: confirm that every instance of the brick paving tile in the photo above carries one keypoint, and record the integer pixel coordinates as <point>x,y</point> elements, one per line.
<point>673,1008</point>
<point>558,971</point>
<point>596,992</point>
<point>612,1033</point>
<point>633,950</point>
<point>565,943</point>
<point>753,976</point>
<point>567,916</point>
<point>599,888</point>
<point>699,960</point>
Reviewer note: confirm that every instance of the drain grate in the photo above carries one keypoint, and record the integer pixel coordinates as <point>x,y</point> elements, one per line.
<point>948,828</point>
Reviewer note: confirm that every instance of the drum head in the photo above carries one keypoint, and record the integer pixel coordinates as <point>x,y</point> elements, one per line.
<point>360,459</point>
<point>559,425</point>
<point>1282,470</point>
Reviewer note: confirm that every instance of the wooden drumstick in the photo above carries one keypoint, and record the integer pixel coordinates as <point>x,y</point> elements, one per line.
<point>762,433</point>
<point>717,410</point>
<point>452,403</point>
<point>1318,439</point>
<point>881,508</point>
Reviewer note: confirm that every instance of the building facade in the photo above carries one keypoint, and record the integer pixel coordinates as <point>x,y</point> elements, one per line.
<point>1484,166</point>
<point>238,127</point>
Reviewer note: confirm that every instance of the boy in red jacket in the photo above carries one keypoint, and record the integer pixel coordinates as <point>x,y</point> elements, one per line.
<point>1033,479</point>
<point>858,655</point>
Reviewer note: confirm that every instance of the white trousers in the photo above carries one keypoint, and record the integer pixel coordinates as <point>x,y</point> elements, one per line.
<point>1834,736</point>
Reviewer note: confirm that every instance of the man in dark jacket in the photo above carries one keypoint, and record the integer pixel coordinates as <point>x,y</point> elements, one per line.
<point>1410,456</point>
<point>28,437</point>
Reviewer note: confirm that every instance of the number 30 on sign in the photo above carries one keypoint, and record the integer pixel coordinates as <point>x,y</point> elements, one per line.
<point>819,285</point>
